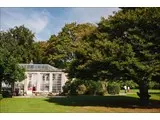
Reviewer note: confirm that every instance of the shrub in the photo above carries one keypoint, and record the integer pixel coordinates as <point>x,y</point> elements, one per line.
<point>102,88</point>
<point>102,92</point>
<point>91,87</point>
<point>129,83</point>
<point>72,89</point>
<point>66,88</point>
<point>6,94</point>
<point>1,96</point>
<point>74,86</point>
<point>81,89</point>
<point>113,88</point>
<point>154,85</point>
<point>95,87</point>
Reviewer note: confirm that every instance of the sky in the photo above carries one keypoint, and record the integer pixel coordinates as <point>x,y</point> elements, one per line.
<point>45,22</point>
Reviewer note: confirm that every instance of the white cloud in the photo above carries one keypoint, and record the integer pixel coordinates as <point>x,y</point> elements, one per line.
<point>36,21</point>
<point>47,21</point>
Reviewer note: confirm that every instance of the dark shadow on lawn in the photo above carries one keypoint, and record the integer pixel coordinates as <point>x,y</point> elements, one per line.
<point>154,93</point>
<point>106,101</point>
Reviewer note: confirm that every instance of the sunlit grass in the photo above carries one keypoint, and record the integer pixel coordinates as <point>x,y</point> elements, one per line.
<point>79,104</point>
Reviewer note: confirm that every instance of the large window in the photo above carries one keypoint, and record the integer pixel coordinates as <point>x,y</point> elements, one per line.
<point>59,82</point>
<point>56,86</point>
<point>30,82</point>
<point>30,77</point>
<point>45,83</point>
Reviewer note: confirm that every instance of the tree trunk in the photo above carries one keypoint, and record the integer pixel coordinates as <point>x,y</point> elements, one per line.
<point>0,87</point>
<point>143,93</point>
<point>12,88</point>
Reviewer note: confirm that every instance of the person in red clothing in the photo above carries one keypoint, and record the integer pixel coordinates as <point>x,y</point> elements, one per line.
<point>34,89</point>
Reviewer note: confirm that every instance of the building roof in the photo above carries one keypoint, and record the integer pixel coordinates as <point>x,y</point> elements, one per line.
<point>40,68</point>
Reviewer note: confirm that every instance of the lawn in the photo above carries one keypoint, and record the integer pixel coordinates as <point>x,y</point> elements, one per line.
<point>81,104</point>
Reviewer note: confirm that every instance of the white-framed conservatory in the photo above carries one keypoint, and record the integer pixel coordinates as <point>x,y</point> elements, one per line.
<point>42,78</point>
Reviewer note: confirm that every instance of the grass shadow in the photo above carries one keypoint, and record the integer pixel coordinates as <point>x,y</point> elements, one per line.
<point>106,101</point>
<point>154,93</point>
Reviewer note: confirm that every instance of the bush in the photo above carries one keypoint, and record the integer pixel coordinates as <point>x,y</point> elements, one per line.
<point>129,83</point>
<point>91,87</point>
<point>6,94</point>
<point>66,88</point>
<point>154,85</point>
<point>113,88</point>
<point>102,88</point>
<point>95,87</point>
<point>75,87</point>
<point>81,87</point>
<point>1,96</point>
<point>102,92</point>
<point>70,87</point>
<point>81,90</point>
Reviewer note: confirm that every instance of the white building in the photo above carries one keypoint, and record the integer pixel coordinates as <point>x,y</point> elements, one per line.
<point>42,78</point>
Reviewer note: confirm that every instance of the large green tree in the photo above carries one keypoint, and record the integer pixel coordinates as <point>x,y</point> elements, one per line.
<point>15,47</point>
<point>139,28</point>
<point>10,71</point>
<point>23,38</point>
<point>38,52</point>
<point>124,46</point>
<point>60,48</point>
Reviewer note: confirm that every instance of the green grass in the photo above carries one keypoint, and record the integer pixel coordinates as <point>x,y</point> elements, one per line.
<point>80,104</point>
<point>134,91</point>
<point>0,96</point>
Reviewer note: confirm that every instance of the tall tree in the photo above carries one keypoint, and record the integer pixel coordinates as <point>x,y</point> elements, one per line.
<point>139,28</point>
<point>60,49</point>
<point>15,47</point>
<point>10,71</point>
<point>24,39</point>
<point>125,46</point>
<point>38,52</point>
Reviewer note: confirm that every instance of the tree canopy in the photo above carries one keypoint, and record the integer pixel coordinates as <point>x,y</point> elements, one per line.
<point>61,48</point>
<point>124,46</point>
<point>15,48</point>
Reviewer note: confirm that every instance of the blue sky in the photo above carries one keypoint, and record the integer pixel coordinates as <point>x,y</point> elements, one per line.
<point>47,21</point>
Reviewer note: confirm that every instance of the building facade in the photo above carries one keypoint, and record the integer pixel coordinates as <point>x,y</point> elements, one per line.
<point>42,78</point>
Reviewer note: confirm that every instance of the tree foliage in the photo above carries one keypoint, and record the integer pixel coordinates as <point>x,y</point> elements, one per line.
<point>124,46</point>
<point>15,48</point>
<point>38,52</point>
<point>18,41</point>
<point>61,48</point>
<point>10,71</point>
